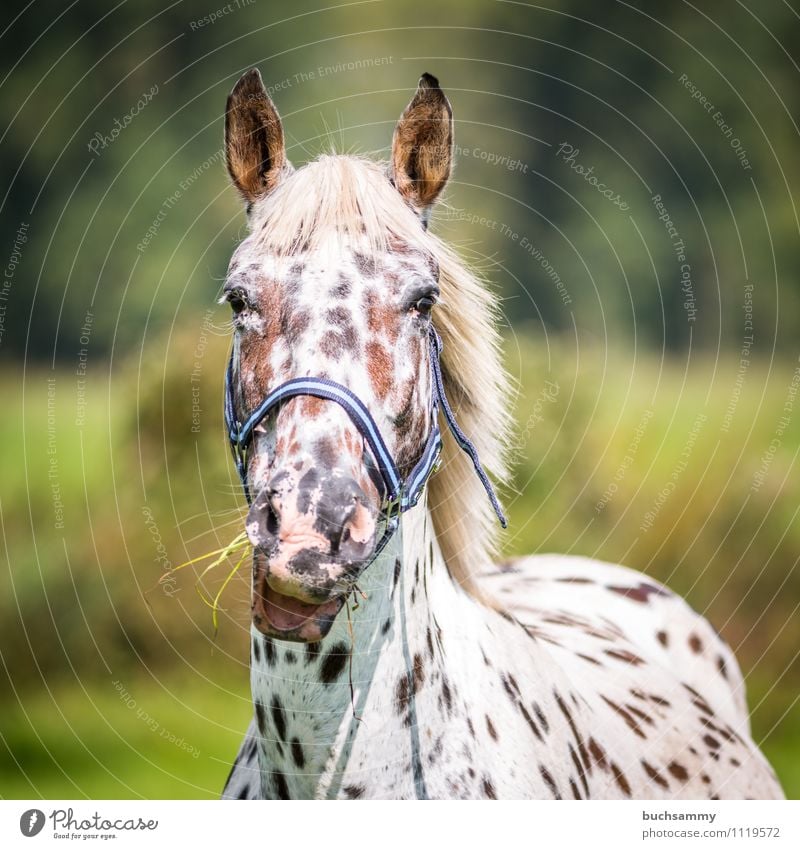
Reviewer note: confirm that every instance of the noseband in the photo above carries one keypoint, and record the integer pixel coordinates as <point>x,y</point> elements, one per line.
<point>399,494</point>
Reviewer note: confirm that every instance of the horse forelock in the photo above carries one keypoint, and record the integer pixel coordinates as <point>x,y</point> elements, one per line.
<point>351,199</point>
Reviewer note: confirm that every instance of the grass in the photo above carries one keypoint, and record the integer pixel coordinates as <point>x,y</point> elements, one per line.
<point>143,491</point>
<point>159,737</point>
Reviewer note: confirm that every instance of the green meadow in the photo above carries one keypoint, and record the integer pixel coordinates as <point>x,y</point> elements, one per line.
<point>117,687</point>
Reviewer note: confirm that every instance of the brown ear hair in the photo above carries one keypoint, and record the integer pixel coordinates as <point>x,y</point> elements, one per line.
<point>254,147</point>
<point>422,146</point>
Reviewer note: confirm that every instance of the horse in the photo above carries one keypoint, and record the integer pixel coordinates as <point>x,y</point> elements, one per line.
<point>366,405</point>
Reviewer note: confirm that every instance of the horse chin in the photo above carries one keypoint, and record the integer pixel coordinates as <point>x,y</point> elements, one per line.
<point>285,618</point>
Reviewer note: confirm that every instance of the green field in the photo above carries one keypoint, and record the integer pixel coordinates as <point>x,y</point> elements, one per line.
<point>111,692</point>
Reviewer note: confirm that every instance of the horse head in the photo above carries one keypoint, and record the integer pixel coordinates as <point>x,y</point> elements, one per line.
<point>333,289</point>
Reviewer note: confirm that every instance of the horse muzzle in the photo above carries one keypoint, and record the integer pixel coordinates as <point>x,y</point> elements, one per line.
<point>313,536</point>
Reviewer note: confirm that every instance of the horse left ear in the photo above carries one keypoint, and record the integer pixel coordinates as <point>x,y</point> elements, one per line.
<point>422,146</point>
<point>254,149</point>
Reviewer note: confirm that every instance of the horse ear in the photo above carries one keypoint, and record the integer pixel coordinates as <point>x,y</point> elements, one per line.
<point>422,146</point>
<point>254,147</point>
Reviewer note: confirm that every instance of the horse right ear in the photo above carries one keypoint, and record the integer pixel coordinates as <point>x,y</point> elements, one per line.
<point>254,148</point>
<point>422,146</point>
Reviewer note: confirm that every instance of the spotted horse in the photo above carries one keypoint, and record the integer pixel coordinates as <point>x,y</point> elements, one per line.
<point>390,659</point>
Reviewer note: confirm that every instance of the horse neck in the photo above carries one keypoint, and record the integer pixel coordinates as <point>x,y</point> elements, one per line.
<point>309,718</point>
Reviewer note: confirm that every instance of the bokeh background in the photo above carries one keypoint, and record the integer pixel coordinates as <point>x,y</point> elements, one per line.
<point>626,177</point>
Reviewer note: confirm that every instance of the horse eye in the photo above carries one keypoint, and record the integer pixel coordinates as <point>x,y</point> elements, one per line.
<point>424,305</point>
<point>236,299</point>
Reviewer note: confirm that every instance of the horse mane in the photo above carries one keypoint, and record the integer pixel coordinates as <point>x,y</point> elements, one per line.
<point>351,195</point>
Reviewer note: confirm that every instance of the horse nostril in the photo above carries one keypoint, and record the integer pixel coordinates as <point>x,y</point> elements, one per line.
<point>273,519</point>
<point>339,532</point>
<point>273,510</point>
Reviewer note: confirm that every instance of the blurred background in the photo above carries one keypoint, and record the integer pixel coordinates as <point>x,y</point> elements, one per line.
<point>625,178</point>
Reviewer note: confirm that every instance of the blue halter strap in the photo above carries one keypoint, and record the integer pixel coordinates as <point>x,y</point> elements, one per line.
<point>399,494</point>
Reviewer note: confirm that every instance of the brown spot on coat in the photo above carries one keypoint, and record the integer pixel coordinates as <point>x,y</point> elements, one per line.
<point>640,593</point>
<point>655,775</point>
<point>549,781</point>
<point>622,781</point>
<point>678,771</point>
<point>333,663</point>
<point>353,791</point>
<point>380,366</point>
<point>625,656</point>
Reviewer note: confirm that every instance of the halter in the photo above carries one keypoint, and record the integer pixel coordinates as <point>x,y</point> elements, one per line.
<point>399,495</point>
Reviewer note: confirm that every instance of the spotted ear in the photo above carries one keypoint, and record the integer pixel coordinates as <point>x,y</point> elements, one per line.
<point>254,147</point>
<point>422,147</point>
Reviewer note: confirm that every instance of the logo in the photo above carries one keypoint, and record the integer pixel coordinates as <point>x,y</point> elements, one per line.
<point>31,822</point>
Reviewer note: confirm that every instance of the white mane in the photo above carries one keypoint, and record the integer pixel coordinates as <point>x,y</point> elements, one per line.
<point>354,196</point>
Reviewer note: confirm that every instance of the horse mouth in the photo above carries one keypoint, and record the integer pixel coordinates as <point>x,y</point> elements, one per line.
<point>286,618</point>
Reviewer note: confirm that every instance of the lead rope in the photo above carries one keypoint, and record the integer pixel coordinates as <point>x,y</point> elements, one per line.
<point>350,653</point>
<point>466,445</point>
